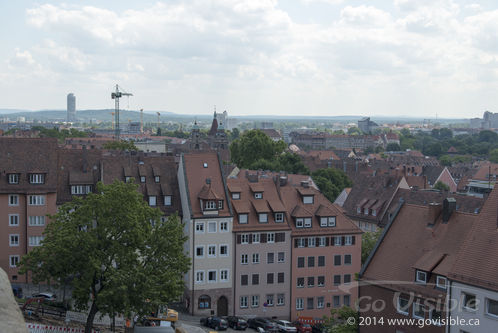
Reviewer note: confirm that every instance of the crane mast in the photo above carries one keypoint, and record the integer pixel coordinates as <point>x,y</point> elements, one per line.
<point>116,96</point>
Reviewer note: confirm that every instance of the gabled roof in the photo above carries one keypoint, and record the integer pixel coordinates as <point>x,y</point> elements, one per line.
<point>325,211</point>
<point>300,211</point>
<point>207,193</point>
<point>256,187</point>
<point>432,173</point>
<point>260,206</point>
<point>241,206</point>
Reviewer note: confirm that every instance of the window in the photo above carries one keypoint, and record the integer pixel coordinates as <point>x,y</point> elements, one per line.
<point>311,261</point>
<point>337,280</point>
<point>81,189</point>
<point>204,302</point>
<point>347,278</point>
<point>212,251</point>
<point>321,281</point>
<point>300,262</point>
<point>199,277</point>
<point>269,300</point>
<point>322,241</point>
<point>13,200</point>
<point>35,240</point>
<point>311,241</point>
<point>337,240</point>
<point>469,302</point>
<point>255,279</point>
<point>307,222</point>
<point>220,204</point>
<point>311,281</point>
<point>211,227</point>
<point>255,258</point>
<point>281,257</point>
<point>244,280</point>
<point>243,301</point>
<point>269,278</point>
<point>319,302</point>
<point>223,275</point>
<point>347,300</point>
<point>332,221</point>
<point>224,250</point>
<point>243,259</point>
<point>263,218</point>
<point>255,238</point>
<point>441,282</point>
<point>36,221</point>
<point>358,210</point>
<point>323,221</point>
<point>157,179</point>
<point>337,260</point>
<point>13,178</point>
<point>36,200</point>
<point>418,310</point>
<point>199,251</point>
<point>235,195</point>
<point>152,200</point>
<point>244,238</point>
<point>199,227</point>
<point>167,200</point>
<point>310,303</point>
<point>210,205</point>
<point>300,242</point>
<point>402,305</point>
<point>14,220</point>
<point>299,304</point>
<point>270,258</point>
<point>279,217</point>
<point>243,218</point>
<point>300,282</point>
<point>307,199</point>
<point>281,277</point>
<point>270,237</point>
<point>347,259</point>
<point>255,301</point>
<point>280,299</point>
<point>142,179</point>
<point>299,222</point>
<point>492,307</point>
<point>13,261</point>
<point>13,240</point>
<point>348,240</point>
<point>223,226</point>
<point>421,277</point>
<point>336,300</point>
<point>36,178</point>
<point>258,195</point>
<point>212,276</point>
<point>321,261</point>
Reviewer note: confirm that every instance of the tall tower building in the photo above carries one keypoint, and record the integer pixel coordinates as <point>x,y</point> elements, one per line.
<point>71,107</point>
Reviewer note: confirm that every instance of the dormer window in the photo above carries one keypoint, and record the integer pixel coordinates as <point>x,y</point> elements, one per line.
<point>236,195</point>
<point>421,277</point>
<point>307,199</point>
<point>358,210</point>
<point>157,179</point>
<point>127,179</point>
<point>243,218</point>
<point>263,218</point>
<point>327,221</point>
<point>307,222</point>
<point>81,189</point>
<point>167,200</point>
<point>220,204</point>
<point>365,211</point>
<point>258,195</point>
<point>36,178</point>
<point>441,282</point>
<point>374,212</point>
<point>210,205</point>
<point>13,178</point>
<point>279,217</point>
<point>152,200</point>
<point>299,222</point>
<point>142,179</point>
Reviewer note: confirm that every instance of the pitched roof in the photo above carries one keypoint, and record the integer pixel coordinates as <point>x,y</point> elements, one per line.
<point>432,173</point>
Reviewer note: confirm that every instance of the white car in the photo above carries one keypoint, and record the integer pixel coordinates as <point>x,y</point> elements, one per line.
<point>285,326</point>
<point>46,296</point>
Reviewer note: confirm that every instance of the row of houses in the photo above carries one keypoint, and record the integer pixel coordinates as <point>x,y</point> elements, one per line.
<point>321,141</point>
<point>266,244</point>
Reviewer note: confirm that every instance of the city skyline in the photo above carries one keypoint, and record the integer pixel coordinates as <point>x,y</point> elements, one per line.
<point>313,57</point>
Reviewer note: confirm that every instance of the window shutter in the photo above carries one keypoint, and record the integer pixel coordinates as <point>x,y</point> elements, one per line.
<point>277,237</point>
<point>354,239</point>
<point>343,241</point>
<point>239,239</point>
<point>250,238</point>
<point>306,242</point>
<point>295,242</point>
<point>327,241</point>
<point>263,237</point>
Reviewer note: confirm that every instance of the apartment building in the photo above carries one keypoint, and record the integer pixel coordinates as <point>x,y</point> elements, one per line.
<point>262,249</point>
<point>207,214</point>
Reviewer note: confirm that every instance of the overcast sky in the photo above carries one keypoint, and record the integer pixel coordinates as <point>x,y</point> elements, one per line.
<point>288,57</point>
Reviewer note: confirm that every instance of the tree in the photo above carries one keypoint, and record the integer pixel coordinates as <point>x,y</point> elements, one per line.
<point>393,147</point>
<point>120,145</point>
<point>493,155</point>
<point>331,182</point>
<point>120,255</point>
<point>254,145</point>
<point>343,320</point>
<point>368,241</point>
<point>441,186</point>
<point>354,131</point>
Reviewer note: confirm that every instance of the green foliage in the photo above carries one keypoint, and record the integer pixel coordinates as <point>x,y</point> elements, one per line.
<point>493,155</point>
<point>289,162</point>
<point>115,259</point>
<point>441,186</point>
<point>343,320</point>
<point>354,131</point>
<point>331,182</point>
<point>393,147</point>
<point>368,241</point>
<point>234,134</point>
<point>120,145</point>
<point>447,160</point>
<point>252,146</point>
<point>56,133</point>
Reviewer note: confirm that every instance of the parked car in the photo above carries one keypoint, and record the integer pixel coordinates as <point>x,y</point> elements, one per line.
<point>237,323</point>
<point>302,327</point>
<point>286,326</point>
<point>264,323</point>
<point>47,296</point>
<point>214,322</point>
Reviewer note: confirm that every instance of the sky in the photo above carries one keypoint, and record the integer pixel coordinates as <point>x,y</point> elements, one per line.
<point>422,58</point>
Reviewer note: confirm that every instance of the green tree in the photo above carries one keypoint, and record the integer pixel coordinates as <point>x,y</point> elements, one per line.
<point>393,147</point>
<point>354,131</point>
<point>331,182</point>
<point>120,145</point>
<point>441,186</point>
<point>118,253</point>
<point>252,146</point>
<point>493,155</point>
<point>368,241</point>
<point>343,320</point>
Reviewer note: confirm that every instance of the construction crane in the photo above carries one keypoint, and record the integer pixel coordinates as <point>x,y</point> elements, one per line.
<point>158,120</point>
<point>116,96</point>
<point>141,121</point>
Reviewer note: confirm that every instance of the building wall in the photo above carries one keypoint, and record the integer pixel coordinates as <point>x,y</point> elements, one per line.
<point>263,288</point>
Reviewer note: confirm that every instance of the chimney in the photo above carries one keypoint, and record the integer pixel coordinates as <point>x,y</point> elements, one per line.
<point>449,206</point>
<point>283,179</point>
<point>434,211</point>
